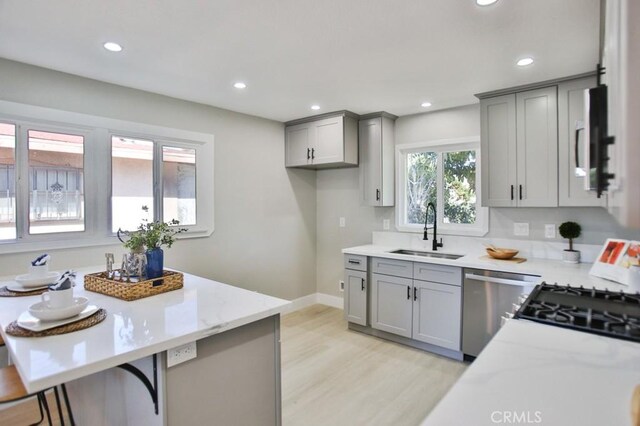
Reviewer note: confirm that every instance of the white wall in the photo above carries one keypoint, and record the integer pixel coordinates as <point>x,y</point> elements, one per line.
<point>265,215</point>
<point>339,196</point>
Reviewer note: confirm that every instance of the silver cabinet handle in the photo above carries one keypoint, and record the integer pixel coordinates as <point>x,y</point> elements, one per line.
<point>354,262</point>
<point>362,284</point>
<point>494,280</point>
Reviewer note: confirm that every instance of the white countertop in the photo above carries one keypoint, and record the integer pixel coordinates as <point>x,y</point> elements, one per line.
<point>132,330</point>
<point>563,377</point>
<point>551,271</point>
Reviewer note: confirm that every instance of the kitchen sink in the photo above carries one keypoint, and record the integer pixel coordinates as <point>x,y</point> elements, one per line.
<point>428,254</point>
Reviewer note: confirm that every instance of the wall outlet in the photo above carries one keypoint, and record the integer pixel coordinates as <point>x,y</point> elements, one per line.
<point>180,354</point>
<point>386,223</point>
<point>521,229</point>
<point>550,231</point>
<point>343,222</point>
<point>341,285</point>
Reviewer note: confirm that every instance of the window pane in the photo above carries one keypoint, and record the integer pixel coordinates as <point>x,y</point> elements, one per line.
<point>56,182</point>
<point>460,187</point>
<point>7,181</point>
<point>179,183</point>
<point>131,182</point>
<point>421,184</point>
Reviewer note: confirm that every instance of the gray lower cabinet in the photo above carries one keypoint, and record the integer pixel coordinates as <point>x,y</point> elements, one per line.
<point>391,304</point>
<point>355,296</point>
<point>437,314</point>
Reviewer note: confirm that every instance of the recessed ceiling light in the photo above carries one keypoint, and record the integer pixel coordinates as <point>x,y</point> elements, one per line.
<point>525,61</point>
<point>112,47</point>
<point>485,2</point>
<point>425,104</point>
<point>315,107</point>
<point>240,85</point>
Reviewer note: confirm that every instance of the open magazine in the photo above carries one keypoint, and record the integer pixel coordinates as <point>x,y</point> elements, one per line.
<point>615,259</point>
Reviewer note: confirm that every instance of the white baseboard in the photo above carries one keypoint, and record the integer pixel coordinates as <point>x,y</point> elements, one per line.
<point>314,299</point>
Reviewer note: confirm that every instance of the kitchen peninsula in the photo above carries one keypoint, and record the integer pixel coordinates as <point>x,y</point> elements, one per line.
<point>238,353</point>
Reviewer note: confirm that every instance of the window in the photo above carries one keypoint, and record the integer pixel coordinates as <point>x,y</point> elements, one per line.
<point>7,181</point>
<point>71,180</point>
<point>447,174</point>
<point>131,182</point>
<point>56,188</point>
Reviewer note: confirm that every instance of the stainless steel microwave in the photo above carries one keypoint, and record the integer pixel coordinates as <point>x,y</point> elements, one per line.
<point>596,141</point>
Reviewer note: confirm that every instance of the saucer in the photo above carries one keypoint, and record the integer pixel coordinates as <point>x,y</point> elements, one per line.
<point>44,313</point>
<point>27,321</point>
<point>28,281</point>
<point>19,289</point>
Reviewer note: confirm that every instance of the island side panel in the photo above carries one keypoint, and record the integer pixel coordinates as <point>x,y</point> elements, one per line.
<point>235,379</point>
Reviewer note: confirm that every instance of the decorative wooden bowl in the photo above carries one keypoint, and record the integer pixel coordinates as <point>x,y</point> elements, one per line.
<point>501,253</point>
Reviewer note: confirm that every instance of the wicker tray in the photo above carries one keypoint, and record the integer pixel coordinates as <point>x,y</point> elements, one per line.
<point>99,283</point>
<point>13,329</point>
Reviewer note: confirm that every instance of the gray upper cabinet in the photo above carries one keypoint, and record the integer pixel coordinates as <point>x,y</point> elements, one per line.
<point>325,141</point>
<point>498,148</point>
<point>519,142</point>
<point>537,150</point>
<point>376,139</point>
<point>571,192</point>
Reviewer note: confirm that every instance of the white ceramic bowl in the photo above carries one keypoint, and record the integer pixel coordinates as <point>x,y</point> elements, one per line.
<point>28,281</point>
<point>41,311</point>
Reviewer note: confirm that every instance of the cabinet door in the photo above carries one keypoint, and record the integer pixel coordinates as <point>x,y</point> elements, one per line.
<point>355,296</point>
<point>370,139</point>
<point>391,304</point>
<point>537,147</point>
<point>328,142</point>
<point>498,144</point>
<point>437,314</point>
<point>296,145</point>
<point>571,192</point>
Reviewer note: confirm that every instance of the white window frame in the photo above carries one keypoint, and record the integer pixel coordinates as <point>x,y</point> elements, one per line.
<point>97,173</point>
<point>481,227</point>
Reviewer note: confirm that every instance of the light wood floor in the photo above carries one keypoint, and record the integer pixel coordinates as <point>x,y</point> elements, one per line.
<point>333,376</point>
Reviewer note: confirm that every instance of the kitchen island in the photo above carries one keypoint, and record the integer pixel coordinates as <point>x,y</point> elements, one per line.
<point>238,352</point>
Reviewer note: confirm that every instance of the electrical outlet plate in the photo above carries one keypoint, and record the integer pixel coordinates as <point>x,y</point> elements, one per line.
<point>180,354</point>
<point>386,224</point>
<point>341,285</point>
<point>521,229</point>
<point>343,222</point>
<point>550,231</point>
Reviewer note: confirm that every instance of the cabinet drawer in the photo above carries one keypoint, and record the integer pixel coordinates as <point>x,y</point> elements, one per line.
<point>356,262</point>
<point>397,268</point>
<point>438,273</point>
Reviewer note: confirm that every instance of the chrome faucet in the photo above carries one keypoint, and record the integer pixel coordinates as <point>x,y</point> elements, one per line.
<point>435,244</point>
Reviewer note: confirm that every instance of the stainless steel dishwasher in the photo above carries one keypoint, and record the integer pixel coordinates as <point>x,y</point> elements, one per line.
<point>486,296</point>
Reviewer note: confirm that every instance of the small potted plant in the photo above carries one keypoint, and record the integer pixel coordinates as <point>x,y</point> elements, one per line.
<point>570,231</point>
<point>153,236</point>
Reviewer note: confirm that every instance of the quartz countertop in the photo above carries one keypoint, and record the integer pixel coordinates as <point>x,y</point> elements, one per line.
<point>547,375</point>
<point>132,330</point>
<point>551,271</point>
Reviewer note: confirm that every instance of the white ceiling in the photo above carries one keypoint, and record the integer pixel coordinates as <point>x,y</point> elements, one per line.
<point>361,55</point>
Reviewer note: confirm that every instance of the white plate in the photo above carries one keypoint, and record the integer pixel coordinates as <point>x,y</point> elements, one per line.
<point>19,289</point>
<point>42,312</point>
<point>29,322</point>
<point>27,280</point>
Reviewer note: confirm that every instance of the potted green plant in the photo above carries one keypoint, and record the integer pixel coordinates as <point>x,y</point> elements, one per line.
<point>570,231</point>
<point>152,236</point>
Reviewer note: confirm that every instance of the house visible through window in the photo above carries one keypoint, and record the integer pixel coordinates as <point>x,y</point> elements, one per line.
<point>446,174</point>
<point>179,184</point>
<point>56,183</point>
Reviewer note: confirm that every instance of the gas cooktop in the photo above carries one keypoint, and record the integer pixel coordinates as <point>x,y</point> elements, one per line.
<point>613,314</point>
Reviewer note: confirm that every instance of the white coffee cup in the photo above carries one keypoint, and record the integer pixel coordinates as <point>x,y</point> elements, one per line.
<point>58,299</point>
<point>38,271</point>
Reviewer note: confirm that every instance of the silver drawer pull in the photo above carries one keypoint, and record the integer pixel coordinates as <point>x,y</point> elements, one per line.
<point>354,262</point>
